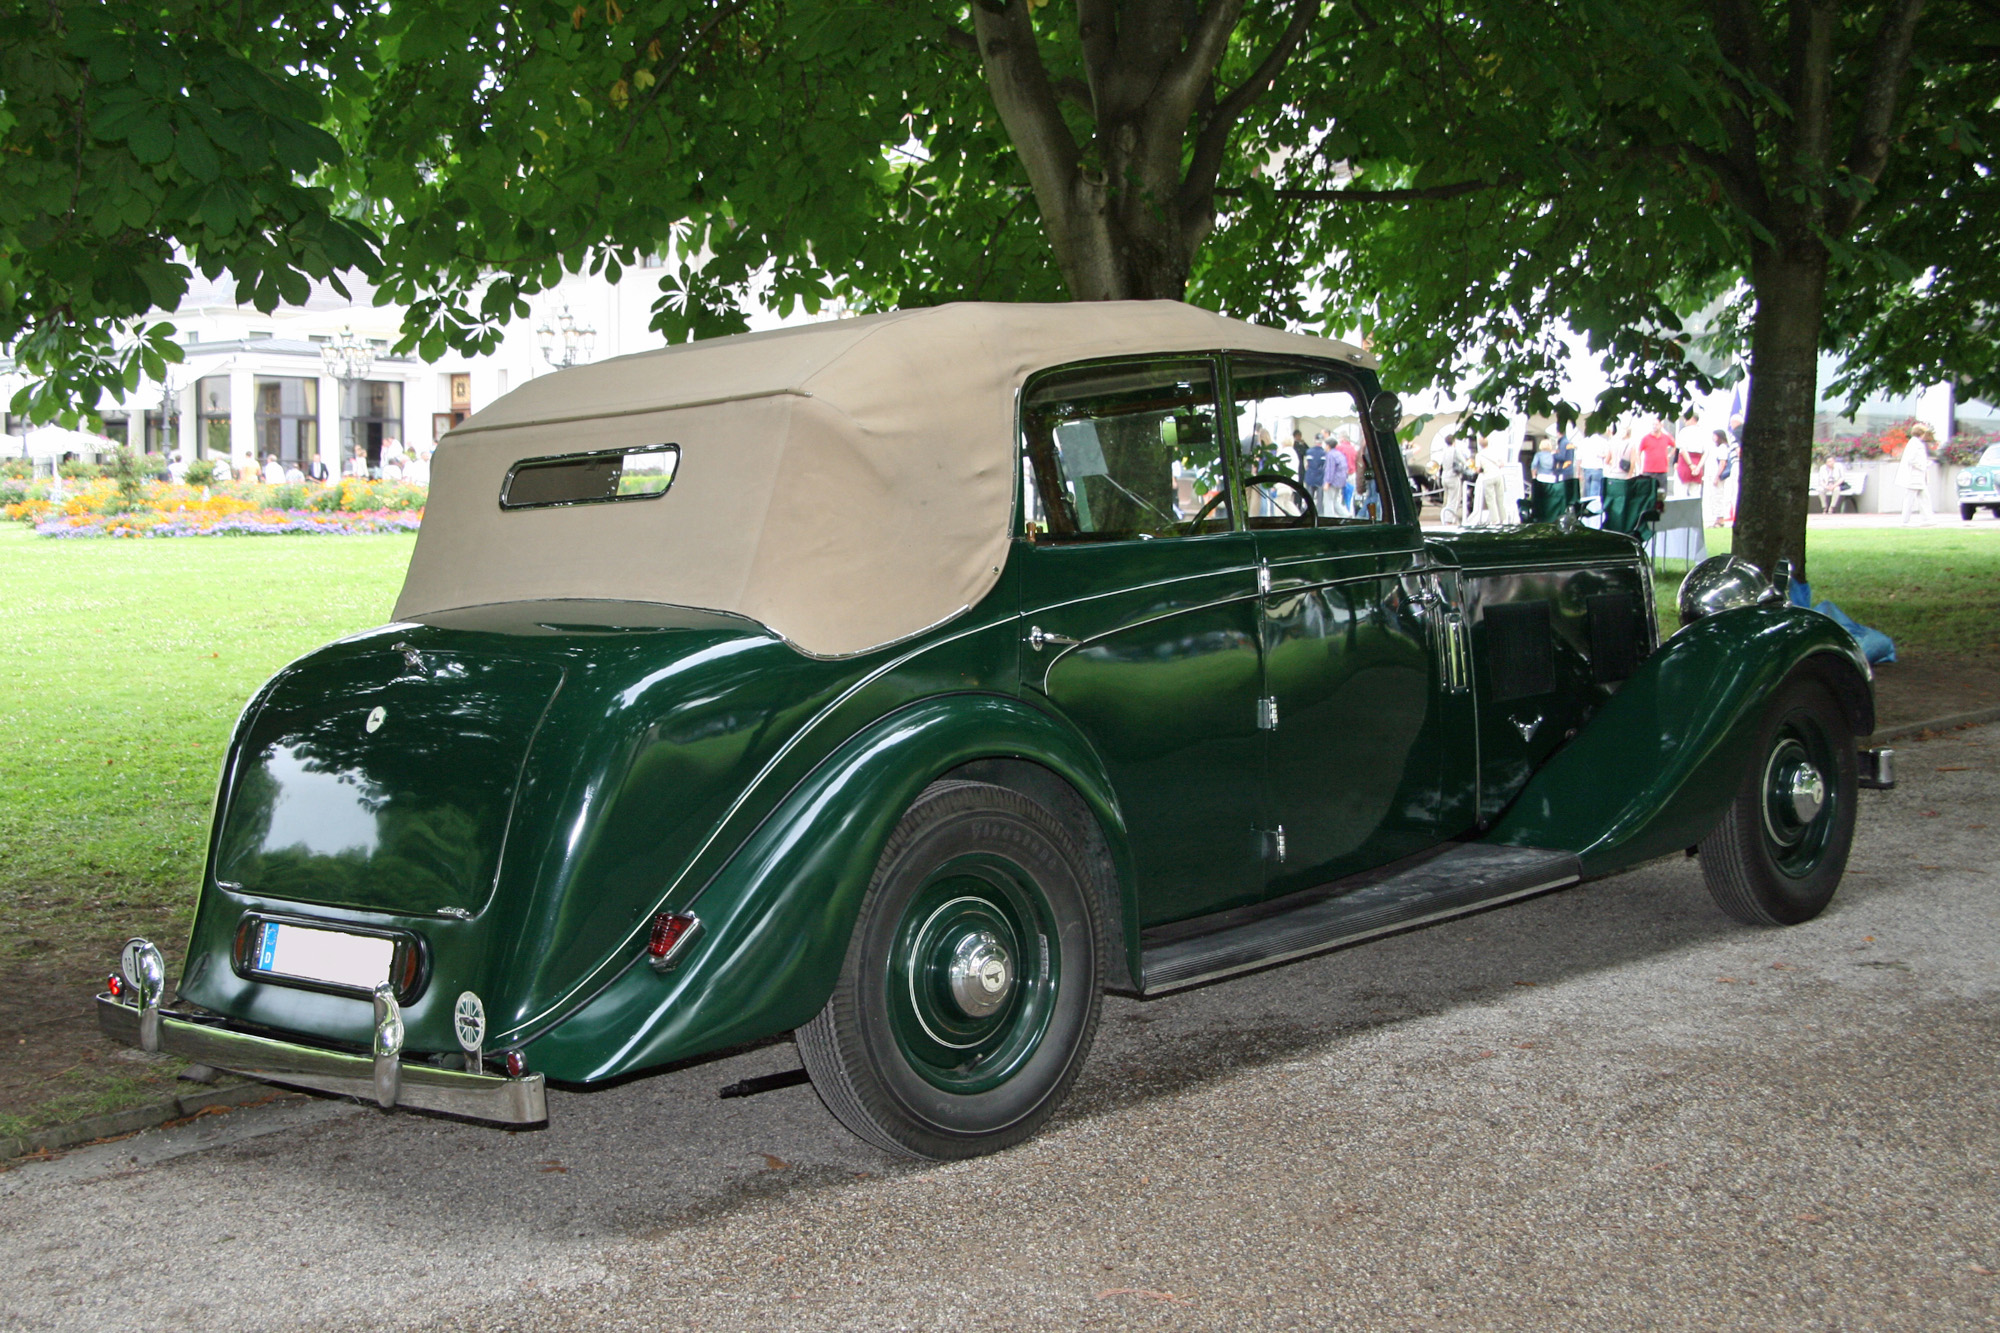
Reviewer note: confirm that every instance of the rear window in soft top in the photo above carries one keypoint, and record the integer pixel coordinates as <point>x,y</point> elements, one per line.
<point>643,472</point>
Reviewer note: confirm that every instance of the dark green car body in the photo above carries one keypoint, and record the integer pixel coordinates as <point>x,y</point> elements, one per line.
<point>1243,715</point>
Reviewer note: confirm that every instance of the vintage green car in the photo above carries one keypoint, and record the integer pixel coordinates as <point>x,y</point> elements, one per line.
<point>906,682</point>
<point>1979,485</point>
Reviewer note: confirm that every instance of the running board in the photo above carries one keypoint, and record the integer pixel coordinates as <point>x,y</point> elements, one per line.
<point>1462,878</point>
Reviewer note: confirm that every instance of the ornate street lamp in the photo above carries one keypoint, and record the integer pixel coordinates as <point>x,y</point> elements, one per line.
<point>565,342</point>
<point>170,416</point>
<point>347,358</point>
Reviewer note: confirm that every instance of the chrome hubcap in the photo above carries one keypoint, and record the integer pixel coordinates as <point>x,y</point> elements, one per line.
<point>1794,793</point>
<point>1808,793</point>
<point>981,975</point>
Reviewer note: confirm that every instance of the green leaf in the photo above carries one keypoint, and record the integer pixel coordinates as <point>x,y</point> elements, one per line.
<point>152,140</point>
<point>195,153</point>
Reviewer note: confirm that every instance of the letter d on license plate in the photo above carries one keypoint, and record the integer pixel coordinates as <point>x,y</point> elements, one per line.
<point>330,957</point>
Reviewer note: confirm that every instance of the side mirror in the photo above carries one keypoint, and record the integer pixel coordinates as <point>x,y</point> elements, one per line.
<point>1385,414</point>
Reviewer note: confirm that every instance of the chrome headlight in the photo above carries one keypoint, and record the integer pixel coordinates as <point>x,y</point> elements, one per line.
<point>1721,583</point>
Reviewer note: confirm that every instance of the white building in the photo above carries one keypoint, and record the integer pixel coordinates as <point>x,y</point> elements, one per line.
<point>252,385</point>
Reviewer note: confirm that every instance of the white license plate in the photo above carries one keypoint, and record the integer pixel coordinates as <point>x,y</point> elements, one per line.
<point>332,957</point>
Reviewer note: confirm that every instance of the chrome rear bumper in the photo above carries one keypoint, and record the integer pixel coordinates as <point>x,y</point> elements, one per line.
<point>507,1101</point>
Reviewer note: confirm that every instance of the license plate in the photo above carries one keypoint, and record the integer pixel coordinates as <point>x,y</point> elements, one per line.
<point>330,957</point>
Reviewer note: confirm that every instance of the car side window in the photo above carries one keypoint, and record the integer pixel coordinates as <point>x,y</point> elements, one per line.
<point>1303,445</point>
<point>1123,451</point>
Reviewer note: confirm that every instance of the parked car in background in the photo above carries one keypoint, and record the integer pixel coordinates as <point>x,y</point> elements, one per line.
<point>1979,485</point>
<point>906,682</point>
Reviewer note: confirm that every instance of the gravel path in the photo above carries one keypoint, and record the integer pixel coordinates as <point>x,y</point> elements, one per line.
<point>1608,1107</point>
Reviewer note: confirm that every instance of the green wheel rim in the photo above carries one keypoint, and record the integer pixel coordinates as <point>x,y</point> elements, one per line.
<point>1802,765</point>
<point>987,909</point>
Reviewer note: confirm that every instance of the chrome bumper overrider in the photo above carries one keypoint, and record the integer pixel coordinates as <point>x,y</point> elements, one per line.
<point>508,1101</point>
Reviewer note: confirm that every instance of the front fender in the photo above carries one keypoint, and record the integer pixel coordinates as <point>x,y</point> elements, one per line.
<point>1658,765</point>
<point>776,918</point>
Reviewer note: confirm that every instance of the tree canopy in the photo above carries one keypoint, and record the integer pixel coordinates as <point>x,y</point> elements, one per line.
<point>1463,182</point>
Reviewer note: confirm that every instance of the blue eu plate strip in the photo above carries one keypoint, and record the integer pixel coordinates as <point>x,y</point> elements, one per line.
<point>267,948</point>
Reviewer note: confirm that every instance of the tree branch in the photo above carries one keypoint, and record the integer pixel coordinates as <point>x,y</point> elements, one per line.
<point>1182,80</point>
<point>1213,140</point>
<point>1505,181</point>
<point>1097,32</point>
<point>1026,100</point>
<point>1868,155</point>
<point>1739,34</point>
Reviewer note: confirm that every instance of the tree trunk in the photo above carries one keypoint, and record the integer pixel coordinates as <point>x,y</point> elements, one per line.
<point>1776,482</point>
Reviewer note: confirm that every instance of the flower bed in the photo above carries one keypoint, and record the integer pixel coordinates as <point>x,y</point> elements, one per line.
<point>243,523</point>
<point>96,509</point>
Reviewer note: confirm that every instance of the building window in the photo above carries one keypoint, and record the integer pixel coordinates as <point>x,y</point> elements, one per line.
<point>372,412</point>
<point>118,428</point>
<point>288,422</point>
<point>211,425</point>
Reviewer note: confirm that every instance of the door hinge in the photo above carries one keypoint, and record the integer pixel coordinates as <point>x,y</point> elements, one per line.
<point>1274,843</point>
<point>1267,713</point>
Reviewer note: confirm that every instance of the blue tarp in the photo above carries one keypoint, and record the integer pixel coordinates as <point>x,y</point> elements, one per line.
<point>1875,645</point>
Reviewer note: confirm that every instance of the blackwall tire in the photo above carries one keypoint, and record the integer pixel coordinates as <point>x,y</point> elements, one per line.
<point>1770,862</point>
<point>970,992</point>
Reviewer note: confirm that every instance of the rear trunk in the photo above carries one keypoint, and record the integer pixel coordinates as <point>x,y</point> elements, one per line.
<point>382,780</point>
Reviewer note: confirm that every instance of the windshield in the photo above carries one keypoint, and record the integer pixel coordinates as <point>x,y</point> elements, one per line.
<point>1991,458</point>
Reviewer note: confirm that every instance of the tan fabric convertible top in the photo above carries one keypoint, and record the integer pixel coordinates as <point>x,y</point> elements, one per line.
<point>846,484</point>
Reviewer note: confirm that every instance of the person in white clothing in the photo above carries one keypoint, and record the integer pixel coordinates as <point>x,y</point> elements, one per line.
<point>1915,475</point>
<point>1496,460</point>
<point>274,471</point>
<point>1718,481</point>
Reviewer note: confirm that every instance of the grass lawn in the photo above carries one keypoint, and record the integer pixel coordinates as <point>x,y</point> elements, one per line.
<point>1935,590</point>
<point>123,665</point>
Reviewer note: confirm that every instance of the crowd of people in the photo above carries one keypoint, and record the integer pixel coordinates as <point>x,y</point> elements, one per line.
<point>396,464</point>
<point>1485,481</point>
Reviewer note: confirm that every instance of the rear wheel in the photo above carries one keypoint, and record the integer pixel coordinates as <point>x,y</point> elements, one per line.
<point>970,991</point>
<point>1780,850</point>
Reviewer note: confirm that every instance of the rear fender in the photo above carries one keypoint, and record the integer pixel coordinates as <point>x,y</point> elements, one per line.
<point>777,917</point>
<point>1658,765</point>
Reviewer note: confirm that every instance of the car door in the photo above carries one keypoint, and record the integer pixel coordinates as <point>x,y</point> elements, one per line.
<point>1140,615</point>
<point>1367,740</point>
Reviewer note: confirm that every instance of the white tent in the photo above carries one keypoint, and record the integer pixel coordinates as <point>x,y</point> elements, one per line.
<point>55,441</point>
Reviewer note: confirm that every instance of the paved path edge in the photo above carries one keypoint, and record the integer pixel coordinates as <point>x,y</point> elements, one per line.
<point>1904,731</point>
<point>117,1124</point>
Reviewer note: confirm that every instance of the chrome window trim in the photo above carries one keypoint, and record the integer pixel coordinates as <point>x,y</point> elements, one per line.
<point>507,483</point>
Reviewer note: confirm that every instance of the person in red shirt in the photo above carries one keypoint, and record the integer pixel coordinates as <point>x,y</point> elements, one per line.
<point>1656,454</point>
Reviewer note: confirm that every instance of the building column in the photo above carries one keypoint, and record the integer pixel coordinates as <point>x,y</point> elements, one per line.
<point>331,447</point>
<point>243,420</point>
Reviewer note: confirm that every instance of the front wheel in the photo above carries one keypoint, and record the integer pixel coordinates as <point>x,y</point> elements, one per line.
<point>1965,513</point>
<point>1780,850</point>
<point>970,991</point>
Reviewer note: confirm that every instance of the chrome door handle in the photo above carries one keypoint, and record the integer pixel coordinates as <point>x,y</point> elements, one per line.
<point>1039,638</point>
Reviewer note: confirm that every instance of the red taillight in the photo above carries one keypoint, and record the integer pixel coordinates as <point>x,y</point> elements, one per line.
<point>115,984</point>
<point>517,1064</point>
<point>668,929</point>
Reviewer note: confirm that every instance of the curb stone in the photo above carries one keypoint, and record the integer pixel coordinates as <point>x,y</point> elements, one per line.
<point>116,1124</point>
<point>1904,731</point>
<point>131,1121</point>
